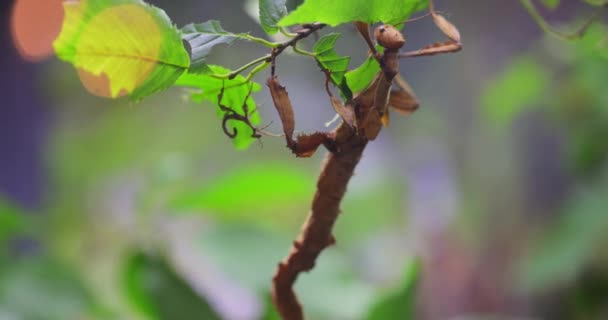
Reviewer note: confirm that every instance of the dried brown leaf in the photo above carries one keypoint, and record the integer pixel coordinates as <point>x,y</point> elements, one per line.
<point>382,94</point>
<point>446,27</point>
<point>347,114</point>
<point>371,124</point>
<point>307,144</point>
<point>363,28</point>
<point>403,102</point>
<point>281,101</point>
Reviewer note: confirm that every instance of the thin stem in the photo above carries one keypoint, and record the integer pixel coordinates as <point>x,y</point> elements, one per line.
<point>544,25</point>
<point>306,31</point>
<point>261,41</point>
<point>437,48</point>
<point>256,70</point>
<point>419,18</point>
<point>301,34</point>
<point>265,59</point>
<point>248,78</point>
<point>278,48</point>
<point>287,33</point>
<point>302,52</point>
<point>236,72</point>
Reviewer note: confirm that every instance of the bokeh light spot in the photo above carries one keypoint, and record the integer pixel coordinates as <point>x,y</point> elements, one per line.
<point>34,26</point>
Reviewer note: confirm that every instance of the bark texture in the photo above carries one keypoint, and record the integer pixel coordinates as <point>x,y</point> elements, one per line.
<point>336,171</point>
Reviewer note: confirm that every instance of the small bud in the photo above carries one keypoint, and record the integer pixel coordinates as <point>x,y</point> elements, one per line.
<point>389,37</point>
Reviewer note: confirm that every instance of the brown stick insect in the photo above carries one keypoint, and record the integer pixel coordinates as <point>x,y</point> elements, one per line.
<point>363,118</point>
<point>367,111</point>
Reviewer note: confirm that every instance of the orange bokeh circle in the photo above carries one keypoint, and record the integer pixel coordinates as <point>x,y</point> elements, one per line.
<point>34,26</point>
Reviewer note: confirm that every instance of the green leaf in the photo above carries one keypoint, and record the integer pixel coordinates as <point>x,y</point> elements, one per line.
<point>153,287</point>
<point>271,11</point>
<point>329,60</point>
<point>359,79</point>
<point>401,303</point>
<point>522,85</point>
<point>236,95</point>
<point>551,4</point>
<point>121,47</point>
<point>256,193</point>
<point>337,12</point>
<point>201,38</point>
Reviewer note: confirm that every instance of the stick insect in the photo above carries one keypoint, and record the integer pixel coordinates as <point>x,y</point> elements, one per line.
<point>367,112</point>
<point>363,117</point>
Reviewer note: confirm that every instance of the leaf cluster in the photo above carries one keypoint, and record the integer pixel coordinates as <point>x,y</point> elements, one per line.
<point>146,53</point>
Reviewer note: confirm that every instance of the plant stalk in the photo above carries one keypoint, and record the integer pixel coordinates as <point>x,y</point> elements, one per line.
<point>316,235</point>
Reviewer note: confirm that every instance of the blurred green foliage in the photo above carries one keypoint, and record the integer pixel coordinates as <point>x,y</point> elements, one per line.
<point>261,194</point>
<point>401,303</point>
<point>551,4</point>
<point>572,95</point>
<point>522,85</point>
<point>574,240</point>
<point>57,293</point>
<point>154,288</point>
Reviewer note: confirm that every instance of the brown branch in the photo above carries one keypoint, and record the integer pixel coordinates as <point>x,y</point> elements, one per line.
<point>347,144</point>
<point>316,234</point>
<point>337,169</point>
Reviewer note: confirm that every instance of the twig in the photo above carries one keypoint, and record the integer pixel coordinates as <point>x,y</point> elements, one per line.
<point>231,75</point>
<point>542,23</point>
<point>277,49</point>
<point>338,167</point>
<point>346,145</point>
<point>306,31</point>
<point>316,234</point>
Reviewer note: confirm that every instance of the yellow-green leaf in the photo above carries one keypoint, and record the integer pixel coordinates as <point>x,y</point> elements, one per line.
<point>121,47</point>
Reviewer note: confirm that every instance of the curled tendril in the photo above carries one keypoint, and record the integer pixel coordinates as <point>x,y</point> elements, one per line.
<point>232,115</point>
<point>234,132</point>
